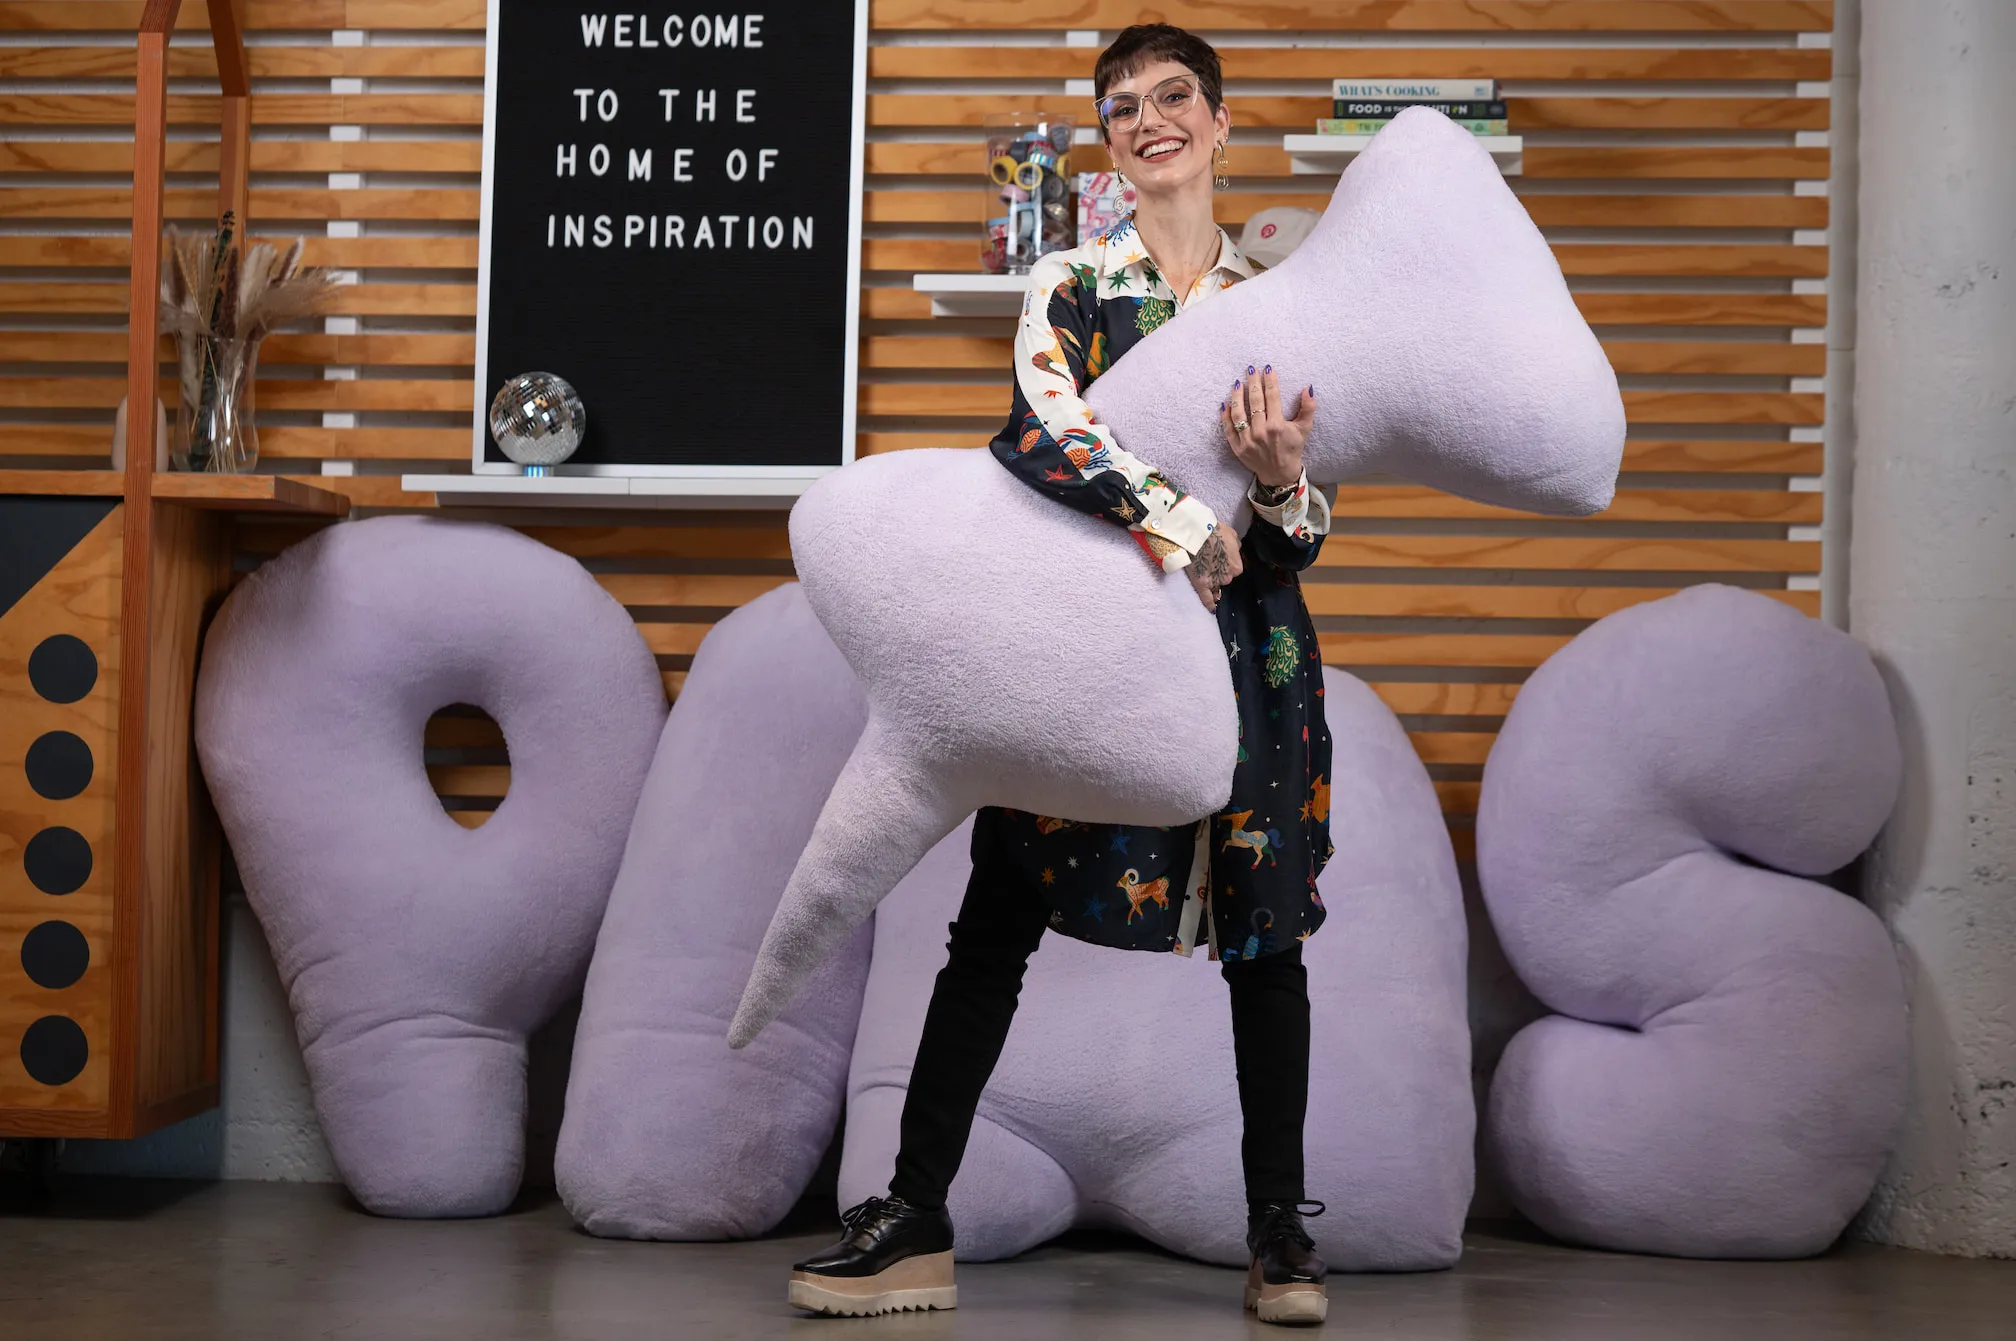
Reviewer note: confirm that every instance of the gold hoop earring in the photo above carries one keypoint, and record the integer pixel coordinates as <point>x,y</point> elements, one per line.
<point>1223,180</point>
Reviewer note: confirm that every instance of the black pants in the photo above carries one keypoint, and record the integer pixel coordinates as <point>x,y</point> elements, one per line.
<point>974,1000</point>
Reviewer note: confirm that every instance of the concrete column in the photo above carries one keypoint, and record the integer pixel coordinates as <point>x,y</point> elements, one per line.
<point>1932,587</point>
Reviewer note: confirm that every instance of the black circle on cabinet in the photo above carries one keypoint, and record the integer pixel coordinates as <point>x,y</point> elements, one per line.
<point>62,668</point>
<point>54,1050</point>
<point>57,860</point>
<point>54,955</point>
<point>59,765</point>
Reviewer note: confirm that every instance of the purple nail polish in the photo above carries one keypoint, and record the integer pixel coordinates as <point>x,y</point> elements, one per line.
<point>1268,368</point>
<point>1249,368</point>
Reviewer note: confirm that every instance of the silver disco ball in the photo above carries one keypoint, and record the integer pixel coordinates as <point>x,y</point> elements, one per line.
<point>537,419</point>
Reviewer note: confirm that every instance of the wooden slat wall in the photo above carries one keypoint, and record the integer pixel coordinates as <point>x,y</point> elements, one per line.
<point>1676,157</point>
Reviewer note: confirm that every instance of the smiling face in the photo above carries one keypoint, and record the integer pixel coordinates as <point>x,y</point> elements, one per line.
<point>1165,149</point>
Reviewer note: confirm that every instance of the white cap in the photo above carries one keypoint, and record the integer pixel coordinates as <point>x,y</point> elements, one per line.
<point>1274,232</point>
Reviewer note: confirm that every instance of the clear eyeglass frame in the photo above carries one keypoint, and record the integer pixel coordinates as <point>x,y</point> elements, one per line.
<point>1122,111</point>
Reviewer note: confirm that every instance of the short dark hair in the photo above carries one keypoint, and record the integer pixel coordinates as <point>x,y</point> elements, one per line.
<point>1146,43</point>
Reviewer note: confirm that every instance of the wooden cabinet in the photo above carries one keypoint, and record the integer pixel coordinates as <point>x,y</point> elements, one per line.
<point>108,850</point>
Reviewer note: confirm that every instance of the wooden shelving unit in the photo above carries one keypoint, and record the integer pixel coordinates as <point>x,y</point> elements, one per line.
<point>108,850</point>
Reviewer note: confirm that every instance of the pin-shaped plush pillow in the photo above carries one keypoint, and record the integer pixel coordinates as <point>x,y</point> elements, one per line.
<point>1726,1072</point>
<point>1017,653</point>
<point>1115,1101</point>
<point>668,1134</point>
<point>417,954</point>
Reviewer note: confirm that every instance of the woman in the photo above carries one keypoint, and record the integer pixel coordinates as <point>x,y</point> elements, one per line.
<point>1244,879</point>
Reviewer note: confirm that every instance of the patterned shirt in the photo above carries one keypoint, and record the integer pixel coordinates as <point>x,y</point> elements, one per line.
<point>1071,330</point>
<point>1242,882</point>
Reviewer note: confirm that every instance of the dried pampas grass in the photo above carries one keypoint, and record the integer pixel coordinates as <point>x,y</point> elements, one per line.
<point>219,299</point>
<point>216,288</point>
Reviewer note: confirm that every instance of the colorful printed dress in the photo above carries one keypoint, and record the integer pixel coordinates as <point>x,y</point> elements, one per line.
<point>1243,880</point>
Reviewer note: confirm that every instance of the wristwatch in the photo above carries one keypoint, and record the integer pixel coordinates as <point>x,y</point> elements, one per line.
<point>1272,496</point>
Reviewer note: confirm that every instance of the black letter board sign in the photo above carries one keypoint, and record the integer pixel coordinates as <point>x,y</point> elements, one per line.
<point>672,223</point>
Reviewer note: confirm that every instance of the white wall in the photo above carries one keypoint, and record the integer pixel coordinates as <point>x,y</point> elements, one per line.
<point>1933,587</point>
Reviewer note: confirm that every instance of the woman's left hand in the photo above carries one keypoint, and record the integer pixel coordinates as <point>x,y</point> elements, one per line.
<point>1270,446</point>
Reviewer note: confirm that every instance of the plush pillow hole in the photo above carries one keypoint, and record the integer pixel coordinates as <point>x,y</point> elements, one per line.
<point>468,762</point>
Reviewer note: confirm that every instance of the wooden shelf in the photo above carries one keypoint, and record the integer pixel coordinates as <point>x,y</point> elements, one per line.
<point>1326,155</point>
<point>249,493</point>
<point>75,483</point>
<point>615,491</point>
<point>972,294</point>
<point>221,493</point>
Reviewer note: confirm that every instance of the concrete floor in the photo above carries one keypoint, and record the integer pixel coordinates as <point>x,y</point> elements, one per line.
<point>117,1259</point>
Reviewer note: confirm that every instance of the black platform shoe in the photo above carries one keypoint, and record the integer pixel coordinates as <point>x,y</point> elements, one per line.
<point>891,1256</point>
<point>1285,1282</point>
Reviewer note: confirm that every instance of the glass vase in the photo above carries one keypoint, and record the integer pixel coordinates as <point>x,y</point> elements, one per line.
<point>1029,175</point>
<point>214,430</point>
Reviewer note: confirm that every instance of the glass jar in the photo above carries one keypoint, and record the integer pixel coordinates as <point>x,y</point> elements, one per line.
<point>1028,173</point>
<point>214,430</point>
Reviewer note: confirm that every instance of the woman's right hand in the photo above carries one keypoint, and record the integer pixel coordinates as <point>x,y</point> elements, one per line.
<point>1214,567</point>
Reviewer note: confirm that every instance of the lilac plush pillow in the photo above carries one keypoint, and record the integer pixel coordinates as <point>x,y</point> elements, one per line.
<point>1726,1072</point>
<point>1016,653</point>
<point>668,1134</point>
<point>417,955</point>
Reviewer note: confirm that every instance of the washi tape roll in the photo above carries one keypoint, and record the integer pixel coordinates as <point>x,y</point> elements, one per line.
<point>1003,170</point>
<point>1029,176</point>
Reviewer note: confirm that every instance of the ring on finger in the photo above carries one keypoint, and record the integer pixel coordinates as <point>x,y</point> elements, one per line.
<point>1238,425</point>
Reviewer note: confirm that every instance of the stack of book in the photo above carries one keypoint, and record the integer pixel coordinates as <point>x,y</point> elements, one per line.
<point>1364,106</point>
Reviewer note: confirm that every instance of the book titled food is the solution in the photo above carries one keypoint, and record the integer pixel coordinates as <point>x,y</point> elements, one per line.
<point>1475,110</point>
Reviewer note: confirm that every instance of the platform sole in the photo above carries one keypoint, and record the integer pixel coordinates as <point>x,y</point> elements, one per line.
<point>913,1284</point>
<point>1298,1302</point>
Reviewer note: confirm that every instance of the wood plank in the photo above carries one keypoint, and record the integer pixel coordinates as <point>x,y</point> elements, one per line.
<point>1737,456</point>
<point>1742,162</point>
<point>73,483</point>
<point>1727,357</point>
<point>1483,61</point>
<point>1544,161</point>
<point>961,255</point>
<point>1546,553</point>
<point>971,204</point>
<point>392,252</point>
<point>1445,699</point>
<point>1776,507</point>
<point>415,300</point>
<point>990,400</point>
<point>292,442</point>
<point>1725,407</point>
<point>673,639</point>
<point>1710,456</point>
<point>1769,456</point>
<point>199,61</point>
<point>1490,16</point>
<point>368,491</point>
<point>1438,601</point>
<point>249,493</point>
<point>453,395</point>
<point>709,539</point>
<point>443,349</point>
<point>113,202</point>
<point>706,589</point>
<point>1520,650</point>
<point>270,109</point>
<point>1301,113</point>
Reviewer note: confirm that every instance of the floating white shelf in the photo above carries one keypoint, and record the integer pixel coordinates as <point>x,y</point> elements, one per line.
<point>1310,155</point>
<point>974,294</point>
<point>610,491</point>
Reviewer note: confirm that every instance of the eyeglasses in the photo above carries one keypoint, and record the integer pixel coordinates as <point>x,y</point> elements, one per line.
<point>1122,111</point>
